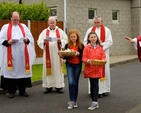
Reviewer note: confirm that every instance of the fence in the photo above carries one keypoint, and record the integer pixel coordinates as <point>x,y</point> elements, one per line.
<point>35,27</point>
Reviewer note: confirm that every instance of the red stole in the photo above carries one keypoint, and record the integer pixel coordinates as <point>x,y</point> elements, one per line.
<point>102,38</point>
<point>9,49</point>
<point>48,62</point>
<point>139,47</point>
<point>102,32</point>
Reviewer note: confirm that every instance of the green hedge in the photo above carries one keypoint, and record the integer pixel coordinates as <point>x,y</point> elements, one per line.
<point>37,12</point>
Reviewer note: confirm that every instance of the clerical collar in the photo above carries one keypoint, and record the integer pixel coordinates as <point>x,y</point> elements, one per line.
<point>52,29</point>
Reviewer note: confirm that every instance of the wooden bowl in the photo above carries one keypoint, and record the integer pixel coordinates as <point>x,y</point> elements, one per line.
<point>98,62</point>
<point>66,53</point>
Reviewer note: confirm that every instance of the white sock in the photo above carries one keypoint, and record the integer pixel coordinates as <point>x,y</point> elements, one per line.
<point>94,102</point>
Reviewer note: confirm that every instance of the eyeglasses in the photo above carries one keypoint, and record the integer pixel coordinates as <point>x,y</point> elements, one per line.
<point>96,22</point>
<point>15,20</point>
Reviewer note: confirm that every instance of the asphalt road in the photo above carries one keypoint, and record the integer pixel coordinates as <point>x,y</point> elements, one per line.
<point>125,95</point>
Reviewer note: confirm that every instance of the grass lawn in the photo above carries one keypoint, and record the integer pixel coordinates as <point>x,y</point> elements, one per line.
<point>37,71</point>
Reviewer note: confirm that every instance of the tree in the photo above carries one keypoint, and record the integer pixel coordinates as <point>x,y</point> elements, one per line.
<point>38,12</point>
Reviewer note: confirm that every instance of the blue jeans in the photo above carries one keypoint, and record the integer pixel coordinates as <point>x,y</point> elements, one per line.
<point>73,73</point>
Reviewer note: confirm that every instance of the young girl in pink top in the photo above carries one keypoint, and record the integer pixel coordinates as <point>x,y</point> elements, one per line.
<point>93,50</point>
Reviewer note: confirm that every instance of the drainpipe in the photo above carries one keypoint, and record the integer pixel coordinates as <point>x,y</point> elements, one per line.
<point>65,16</point>
<point>139,17</point>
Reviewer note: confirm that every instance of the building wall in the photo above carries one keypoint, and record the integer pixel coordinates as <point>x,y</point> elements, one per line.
<point>136,17</point>
<point>77,18</point>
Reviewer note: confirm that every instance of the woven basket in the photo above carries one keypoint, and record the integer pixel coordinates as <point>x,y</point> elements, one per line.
<point>98,62</point>
<point>66,53</point>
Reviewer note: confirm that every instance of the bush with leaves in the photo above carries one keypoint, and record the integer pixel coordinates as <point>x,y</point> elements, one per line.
<point>37,12</point>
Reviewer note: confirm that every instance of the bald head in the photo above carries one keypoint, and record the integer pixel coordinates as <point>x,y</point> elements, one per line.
<point>15,18</point>
<point>15,13</point>
<point>51,18</point>
<point>52,22</point>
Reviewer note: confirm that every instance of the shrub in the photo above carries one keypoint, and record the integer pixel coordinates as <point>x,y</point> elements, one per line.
<point>38,12</point>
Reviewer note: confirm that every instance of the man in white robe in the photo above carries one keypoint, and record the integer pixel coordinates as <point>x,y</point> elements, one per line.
<point>0,63</point>
<point>104,84</point>
<point>58,39</point>
<point>1,60</point>
<point>18,54</point>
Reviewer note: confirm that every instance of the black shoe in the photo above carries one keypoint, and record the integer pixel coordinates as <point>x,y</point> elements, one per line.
<point>106,94</point>
<point>100,95</point>
<point>11,95</point>
<point>47,91</point>
<point>60,91</point>
<point>24,94</point>
<point>90,95</point>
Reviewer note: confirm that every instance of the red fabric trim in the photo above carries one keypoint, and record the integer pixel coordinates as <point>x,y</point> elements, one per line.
<point>27,64</point>
<point>48,62</point>
<point>102,32</point>
<point>139,48</point>
<point>58,36</point>
<point>9,50</point>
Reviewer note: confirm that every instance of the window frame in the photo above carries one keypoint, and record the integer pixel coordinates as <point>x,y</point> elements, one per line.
<point>54,8</point>
<point>117,16</point>
<point>95,13</point>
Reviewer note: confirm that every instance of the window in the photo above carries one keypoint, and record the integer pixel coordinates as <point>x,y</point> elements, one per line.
<point>91,13</point>
<point>54,11</point>
<point>115,15</point>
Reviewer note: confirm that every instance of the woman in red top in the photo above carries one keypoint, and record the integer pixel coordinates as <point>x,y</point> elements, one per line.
<point>93,51</point>
<point>74,66</point>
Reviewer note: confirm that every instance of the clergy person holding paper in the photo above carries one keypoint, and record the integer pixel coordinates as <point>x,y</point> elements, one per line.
<point>18,50</point>
<point>1,59</point>
<point>105,37</point>
<point>51,40</point>
<point>137,45</point>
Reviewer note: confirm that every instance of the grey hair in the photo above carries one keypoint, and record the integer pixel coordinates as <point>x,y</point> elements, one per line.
<point>97,18</point>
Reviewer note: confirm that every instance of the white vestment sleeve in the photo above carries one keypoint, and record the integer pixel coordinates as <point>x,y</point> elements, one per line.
<point>31,46</point>
<point>108,40</point>
<point>3,33</point>
<point>1,56</point>
<point>41,38</point>
<point>135,43</point>
<point>64,38</point>
<point>86,36</point>
<point>2,39</point>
